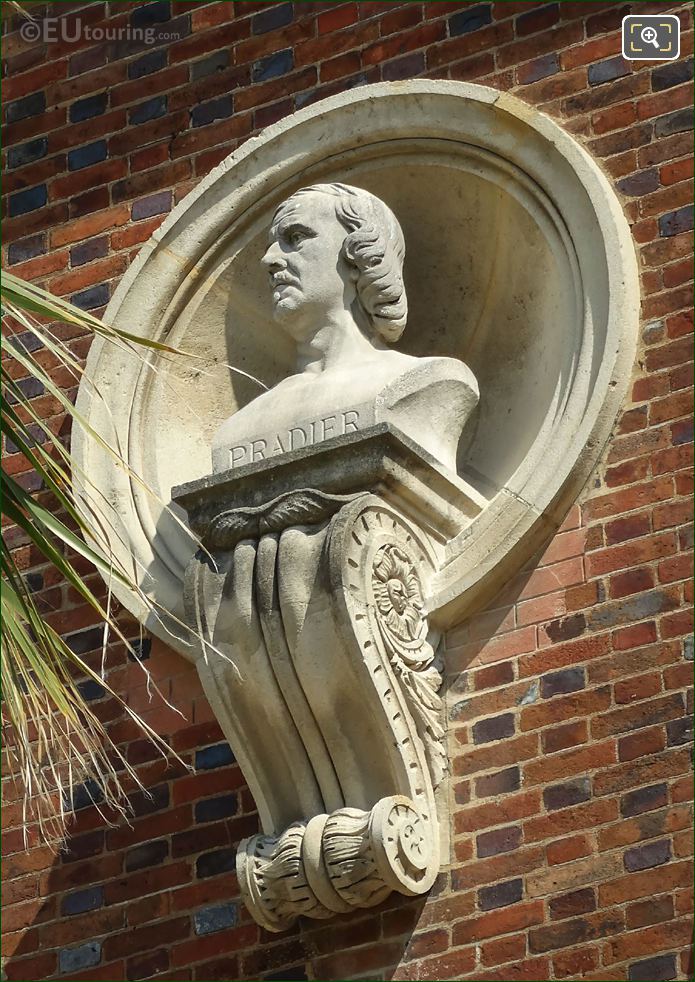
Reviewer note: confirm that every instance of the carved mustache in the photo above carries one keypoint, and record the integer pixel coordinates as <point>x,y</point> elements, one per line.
<point>283,279</point>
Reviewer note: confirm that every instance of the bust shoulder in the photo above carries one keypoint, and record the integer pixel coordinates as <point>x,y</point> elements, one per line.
<point>431,402</point>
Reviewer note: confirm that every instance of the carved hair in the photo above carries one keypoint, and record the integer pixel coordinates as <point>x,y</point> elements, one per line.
<point>375,246</point>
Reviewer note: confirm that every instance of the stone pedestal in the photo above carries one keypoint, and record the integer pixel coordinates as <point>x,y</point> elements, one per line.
<point>310,598</point>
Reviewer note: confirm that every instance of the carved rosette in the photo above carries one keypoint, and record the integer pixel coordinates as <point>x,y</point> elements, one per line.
<point>387,564</point>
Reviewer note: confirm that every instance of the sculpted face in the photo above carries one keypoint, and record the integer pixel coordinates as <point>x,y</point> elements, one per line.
<point>309,278</point>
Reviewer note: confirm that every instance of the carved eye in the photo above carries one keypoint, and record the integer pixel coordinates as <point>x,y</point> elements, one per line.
<point>295,236</point>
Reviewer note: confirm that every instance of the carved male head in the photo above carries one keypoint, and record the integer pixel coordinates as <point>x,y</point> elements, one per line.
<point>332,245</point>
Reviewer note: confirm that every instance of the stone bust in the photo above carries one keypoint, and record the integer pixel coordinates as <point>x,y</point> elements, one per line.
<point>335,263</point>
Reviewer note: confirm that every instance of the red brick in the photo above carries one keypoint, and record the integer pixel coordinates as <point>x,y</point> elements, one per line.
<point>673,173</point>
<point>635,636</point>
<point>497,922</point>
<point>640,687</point>
<point>560,655</point>
<point>565,850</point>
<point>577,761</point>
<point>508,949</point>
<point>652,911</point>
<point>647,941</point>
<point>562,737</point>
<point>140,939</point>
<point>576,962</point>
<point>655,768</point>
<point>565,707</point>
<point>591,51</point>
<point>568,820</point>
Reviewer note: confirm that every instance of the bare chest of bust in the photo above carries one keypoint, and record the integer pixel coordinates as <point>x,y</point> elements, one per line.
<point>429,399</point>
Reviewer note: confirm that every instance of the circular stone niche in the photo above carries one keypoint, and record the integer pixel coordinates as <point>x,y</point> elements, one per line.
<point>519,262</point>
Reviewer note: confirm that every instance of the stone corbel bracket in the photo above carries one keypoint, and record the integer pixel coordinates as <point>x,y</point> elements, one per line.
<point>309,596</point>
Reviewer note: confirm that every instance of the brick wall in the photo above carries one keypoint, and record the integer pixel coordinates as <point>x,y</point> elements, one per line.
<point>572,824</point>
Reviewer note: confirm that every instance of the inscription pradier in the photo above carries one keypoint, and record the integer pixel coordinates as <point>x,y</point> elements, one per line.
<point>302,435</point>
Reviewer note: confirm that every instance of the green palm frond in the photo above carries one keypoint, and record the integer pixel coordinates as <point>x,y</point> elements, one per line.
<point>54,740</point>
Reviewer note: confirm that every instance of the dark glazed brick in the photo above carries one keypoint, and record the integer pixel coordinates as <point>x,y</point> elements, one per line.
<point>559,683</point>
<point>469,20</point>
<point>679,731</point>
<point>216,62</point>
<point>86,252</point>
<point>208,112</point>
<point>565,795</point>
<point>274,65</point>
<point>30,105</point>
<point>93,105</point>
<point>145,966</point>
<point>34,580</point>
<point>153,204</point>
<point>566,628</point>
<point>83,847</point>
<point>499,840</point>
<point>500,783</point>
<point>23,249</point>
<point>83,641</point>
<point>219,755</point>
<point>658,969</point>
<point>84,795</point>
<point>29,200</point>
<point>217,918</point>
<point>407,67</point>
<point>571,904</point>
<point>29,387</point>
<point>214,863</point>
<point>75,959</point>
<point>536,20</point>
<point>640,183</point>
<point>92,153</point>
<point>270,20</point>
<point>82,900</point>
<point>496,728</point>
<point>608,70</point>
<point>25,153</point>
<point>95,296</point>
<point>677,221</point>
<point>151,13</point>
<point>149,854</point>
<point>141,647</point>
<point>673,74</point>
<point>91,690</point>
<point>149,63</point>
<point>500,895</point>
<point>645,857</point>
<point>152,109</point>
<point>643,800</point>
<point>540,68</point>
<point>682,432</point>
<point>150,801</point>
<point>213,809</point>
<point>678,122</point>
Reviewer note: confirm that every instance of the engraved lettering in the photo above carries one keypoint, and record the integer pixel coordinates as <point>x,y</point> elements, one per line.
<point>238,454</point>
<point>294,445</point>
<point>350,418</point>
<point>278,447</point>
<point>258,449</point>
<point>313,432</point>
<point>328,426</point>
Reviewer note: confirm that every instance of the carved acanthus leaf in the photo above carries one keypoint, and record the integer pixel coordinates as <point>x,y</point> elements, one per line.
<point>305,507</point>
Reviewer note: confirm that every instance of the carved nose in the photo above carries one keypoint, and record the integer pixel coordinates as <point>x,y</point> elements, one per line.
<point>273,258</point>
